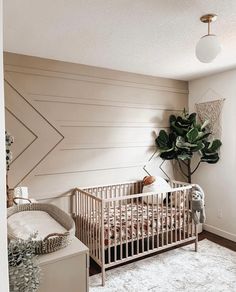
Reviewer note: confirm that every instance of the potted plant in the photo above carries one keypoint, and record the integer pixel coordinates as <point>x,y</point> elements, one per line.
<point>24,271</point>
<point>186,138</point>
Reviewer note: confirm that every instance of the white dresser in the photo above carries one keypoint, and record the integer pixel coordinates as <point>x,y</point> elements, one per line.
<point>66,270</point>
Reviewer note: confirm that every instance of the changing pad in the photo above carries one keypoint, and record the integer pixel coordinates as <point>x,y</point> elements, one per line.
<point>22,224</point>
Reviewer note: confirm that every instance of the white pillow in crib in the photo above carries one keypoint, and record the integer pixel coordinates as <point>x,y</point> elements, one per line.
<point>24,224</point>
<point>159,185</point>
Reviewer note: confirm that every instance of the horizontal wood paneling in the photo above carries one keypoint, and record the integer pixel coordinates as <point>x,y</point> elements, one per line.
<point>92,125</point>
<point>83,70</point>
<point>79,135</point>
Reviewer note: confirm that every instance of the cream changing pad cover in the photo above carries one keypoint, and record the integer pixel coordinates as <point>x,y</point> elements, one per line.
<point>24,224</point>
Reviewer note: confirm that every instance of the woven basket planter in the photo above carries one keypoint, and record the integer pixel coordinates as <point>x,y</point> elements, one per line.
<point>54,241</point>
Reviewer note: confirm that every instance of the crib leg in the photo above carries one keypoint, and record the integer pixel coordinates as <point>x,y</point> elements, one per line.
<point>103,276</point>
<point>196,240</point>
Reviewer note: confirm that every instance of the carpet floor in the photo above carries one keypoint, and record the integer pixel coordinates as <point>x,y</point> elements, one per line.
<point>211,269</point>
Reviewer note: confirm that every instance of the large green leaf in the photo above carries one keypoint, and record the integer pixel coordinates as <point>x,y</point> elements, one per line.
<point>168,155</point>
<point>192,118</point>
<point>184,155</point>
<point>178,130</point>
<point>211,148</point>
<point>172,118</point>
<point>181,143</point>
<point>172,138</point>
<point>162,140</point>
<point>199,146</point>
<point>183,123</point>
<point>192,135</point>
<point>210,158</point>
<point>215,145</point>
<point>202,135</point>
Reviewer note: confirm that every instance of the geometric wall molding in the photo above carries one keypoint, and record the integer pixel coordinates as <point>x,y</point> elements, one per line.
<point>22,134</point>
<point>77,125</point>
<point>46,136</point>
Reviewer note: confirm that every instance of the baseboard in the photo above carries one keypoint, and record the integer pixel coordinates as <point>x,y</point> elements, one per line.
<point>220,232</point>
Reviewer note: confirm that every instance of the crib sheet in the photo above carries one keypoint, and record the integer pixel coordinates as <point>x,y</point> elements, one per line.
<point>119,227</point>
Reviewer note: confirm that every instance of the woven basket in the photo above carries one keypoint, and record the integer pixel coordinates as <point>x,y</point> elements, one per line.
<point>54,241</point>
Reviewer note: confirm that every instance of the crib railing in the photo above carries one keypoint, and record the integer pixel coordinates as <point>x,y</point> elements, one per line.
<point>119,223</point>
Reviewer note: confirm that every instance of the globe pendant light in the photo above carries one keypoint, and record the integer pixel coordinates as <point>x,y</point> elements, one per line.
<point>208,47</point>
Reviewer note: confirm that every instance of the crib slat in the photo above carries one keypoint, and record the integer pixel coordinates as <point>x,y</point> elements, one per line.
<point>180,215</point>
<point>137,224</point>
<point>176,203</point>
<point>167,219</point>
<point>126,229</point>
<point>158,218</point>
<point>80,215</point>
<point>162,218</point>
<point>95,228</point>
<point>153,221</point>
<point>76,211</point>
<point>86,219</point>
<point>132,228</point>
<point>148,223</point>
<point>121,227</point>
<point>102,242</point>
<point>188,212</point>
<point>115,245</point>
<point>83,216</point>
<point>184,212</point>
<point>91,224</point>
<point>108,233</point>
<point>99,230</point>
<point>142,229</point>
<point>191,222</point>
<point>171,218</point>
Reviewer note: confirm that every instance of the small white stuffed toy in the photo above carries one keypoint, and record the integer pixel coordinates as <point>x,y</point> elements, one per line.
<point>198,208</point>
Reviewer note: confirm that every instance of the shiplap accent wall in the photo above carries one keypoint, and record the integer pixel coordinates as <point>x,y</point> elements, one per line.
<point>77,125</point>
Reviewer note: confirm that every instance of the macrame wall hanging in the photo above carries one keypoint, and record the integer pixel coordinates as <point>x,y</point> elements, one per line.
<point>211,111</point>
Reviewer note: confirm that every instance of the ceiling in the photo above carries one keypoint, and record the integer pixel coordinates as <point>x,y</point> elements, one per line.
<point>154,37</point>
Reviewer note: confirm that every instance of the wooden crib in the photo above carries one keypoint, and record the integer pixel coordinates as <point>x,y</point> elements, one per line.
<point>119,223</point>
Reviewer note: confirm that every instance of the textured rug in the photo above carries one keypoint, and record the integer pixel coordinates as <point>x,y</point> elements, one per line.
<point>211,269</point>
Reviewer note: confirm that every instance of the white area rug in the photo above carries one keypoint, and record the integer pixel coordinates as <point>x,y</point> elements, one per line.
<point>211,269</point>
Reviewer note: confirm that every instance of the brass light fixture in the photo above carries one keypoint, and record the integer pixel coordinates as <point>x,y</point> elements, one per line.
<point>208,47</point>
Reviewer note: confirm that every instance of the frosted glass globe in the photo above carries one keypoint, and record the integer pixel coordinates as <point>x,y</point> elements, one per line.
<point>208,47</point>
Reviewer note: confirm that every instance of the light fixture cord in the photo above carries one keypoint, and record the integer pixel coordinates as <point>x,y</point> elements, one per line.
<point>209,27</point>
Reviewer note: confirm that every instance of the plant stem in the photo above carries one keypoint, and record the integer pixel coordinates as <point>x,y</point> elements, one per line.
<point>196,167</point>
<point>189,171</point>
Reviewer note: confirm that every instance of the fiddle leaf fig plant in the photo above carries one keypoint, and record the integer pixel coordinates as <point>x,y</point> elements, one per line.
<point>186,138</point>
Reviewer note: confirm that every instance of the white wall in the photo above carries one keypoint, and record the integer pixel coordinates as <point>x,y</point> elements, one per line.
<point>219,180</point>
<point>3,225</point>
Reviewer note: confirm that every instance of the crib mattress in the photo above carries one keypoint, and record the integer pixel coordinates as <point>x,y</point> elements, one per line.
<point>147,220</point>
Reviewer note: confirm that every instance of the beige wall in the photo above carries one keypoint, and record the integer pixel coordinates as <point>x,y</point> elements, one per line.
<point>218,180</point>
<point>77,125</point>
<point>3,222</point>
